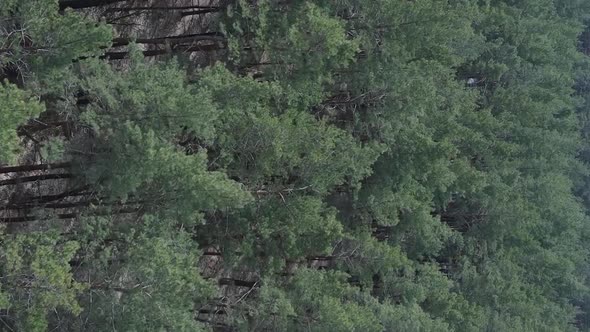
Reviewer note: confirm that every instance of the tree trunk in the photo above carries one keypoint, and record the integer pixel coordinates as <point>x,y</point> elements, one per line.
<point>33,178</point>
<point>200,12</point>
<point>210,36</point>
<point>11,220</point>
<point>236,282</point>
<point>148,53</point>
<point>29,168</point>
<point>162,8</point>
<point>212,311</point>
<point>79,4</point>
<point>65,205</point>
<point>50,198</point>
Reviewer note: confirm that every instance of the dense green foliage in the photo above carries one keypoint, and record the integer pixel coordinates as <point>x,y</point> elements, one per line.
<point>326,166</point>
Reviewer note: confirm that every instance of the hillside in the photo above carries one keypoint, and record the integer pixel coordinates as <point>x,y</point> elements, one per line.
<point>290,165</point>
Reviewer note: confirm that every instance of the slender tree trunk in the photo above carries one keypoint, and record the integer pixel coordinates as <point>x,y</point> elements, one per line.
<point>135,13</point>
<point>161,8</point>
<point>212,311</point>
<point>321,258</point>
<point>212,253</point>
<point>200,12</point>
<point>221,327</point>
<point>41,126</point>
<point>65,205</point>
<point>34,178</point>
<point>209,36</point>
<point>16,220</point>
<point>50,198</point>
<point>79,4</point>
<point>28,168</point>
<point>236,282</point>
<point>148,53</point>
<point>11,220</point>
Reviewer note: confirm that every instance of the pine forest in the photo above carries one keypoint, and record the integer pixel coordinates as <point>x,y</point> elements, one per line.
<point>295,165</point>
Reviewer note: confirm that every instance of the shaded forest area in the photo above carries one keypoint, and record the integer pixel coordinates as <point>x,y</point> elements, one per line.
<point>291,165</point>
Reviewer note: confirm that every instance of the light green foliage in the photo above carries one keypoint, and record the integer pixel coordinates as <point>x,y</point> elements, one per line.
<point>147,279</point>
<point>37,278</point>
<point>37,45</point>
<point>8,7</point>
<point>141,164</point>
<point>323,301</point>
<point>53,150</point>
<point>283,154</point>
<point>300,46</point>
<point>291,229</point>
<point>17,107</point>
<point>163,283</point>
<point>316,45</point>
<point>139,117</point>
<point>153,97</point>
<point>418,289</point>
<point>297,146</point>
<point>318,301</point>
<point>260,138</point>
<point>47,40</point>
